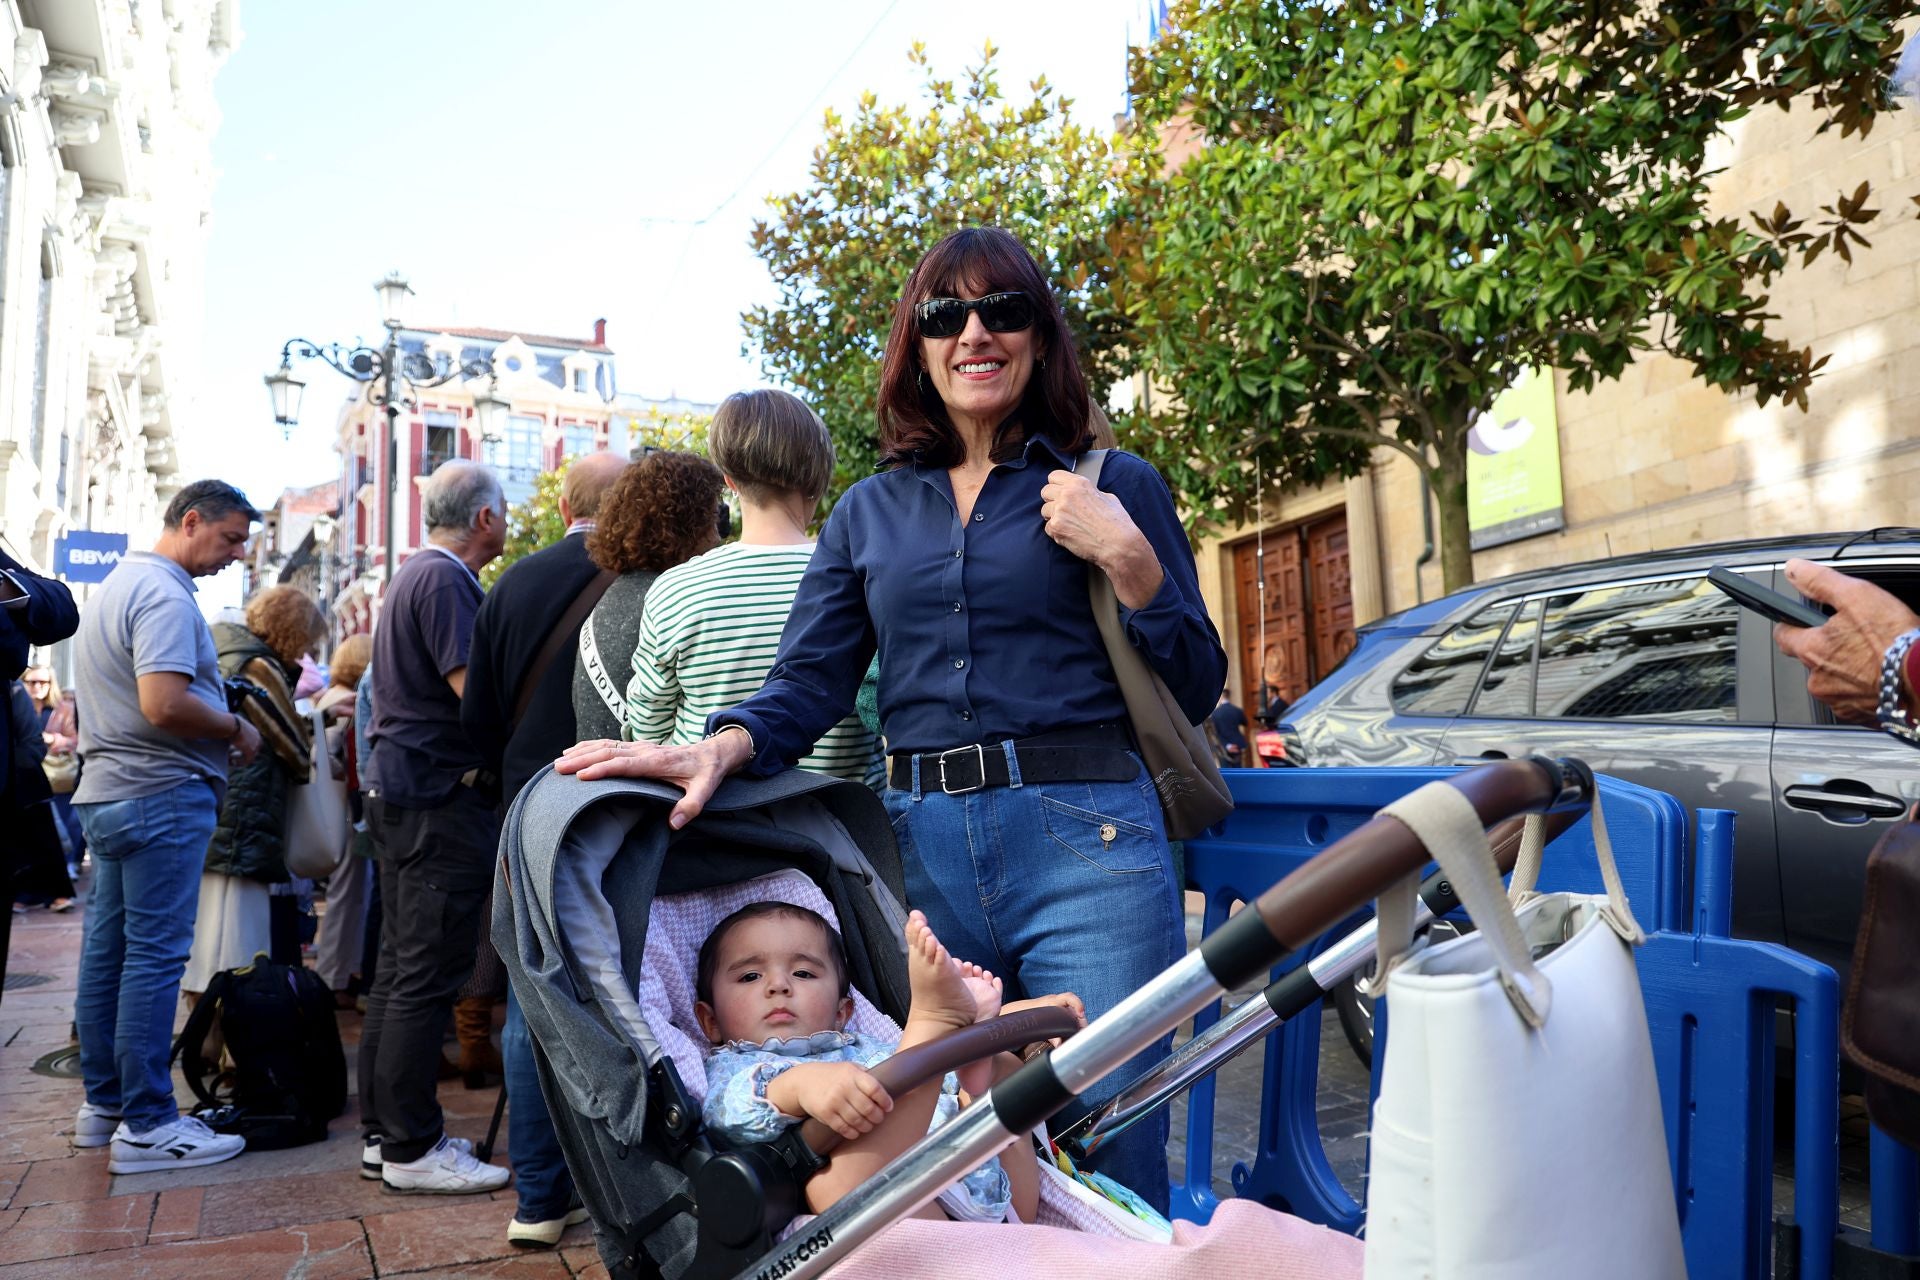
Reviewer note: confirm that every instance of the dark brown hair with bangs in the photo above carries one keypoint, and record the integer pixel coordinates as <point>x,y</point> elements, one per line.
<point>913,421</point>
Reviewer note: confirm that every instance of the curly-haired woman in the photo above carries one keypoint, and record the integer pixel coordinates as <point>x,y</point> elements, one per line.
<point>663,510</point>
<point>248,851</point>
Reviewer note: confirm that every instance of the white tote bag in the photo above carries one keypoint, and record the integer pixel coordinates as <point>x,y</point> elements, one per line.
<point>318,824</point>
<point>1518,1133</point>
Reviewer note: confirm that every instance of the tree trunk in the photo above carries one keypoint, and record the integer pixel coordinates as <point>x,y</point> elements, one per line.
<point>1450,489</point>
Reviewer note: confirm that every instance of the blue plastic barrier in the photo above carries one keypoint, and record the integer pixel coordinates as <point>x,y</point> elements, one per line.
<point>1282,818</point>
<point>1710,1006</point>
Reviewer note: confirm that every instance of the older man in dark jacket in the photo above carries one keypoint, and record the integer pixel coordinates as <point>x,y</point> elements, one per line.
<point>33,610</point>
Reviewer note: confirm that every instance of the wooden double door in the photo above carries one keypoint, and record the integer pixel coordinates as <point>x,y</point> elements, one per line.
<point>1295,594</point>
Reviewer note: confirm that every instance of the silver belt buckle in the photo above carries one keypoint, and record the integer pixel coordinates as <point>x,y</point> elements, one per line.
<point>980,763</point>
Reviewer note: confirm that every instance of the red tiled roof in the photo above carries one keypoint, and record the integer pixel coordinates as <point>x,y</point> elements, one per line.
<point>531,339</point>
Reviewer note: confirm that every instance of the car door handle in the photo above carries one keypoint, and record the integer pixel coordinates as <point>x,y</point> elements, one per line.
<point>1820,799</point>
<point>1489,754</point>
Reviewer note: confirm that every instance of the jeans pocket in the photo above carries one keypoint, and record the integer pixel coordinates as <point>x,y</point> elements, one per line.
<point>1109,829</point>
<point>113,828</point>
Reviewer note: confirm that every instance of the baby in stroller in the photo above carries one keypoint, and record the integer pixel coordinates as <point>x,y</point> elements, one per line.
<point>773,996</point>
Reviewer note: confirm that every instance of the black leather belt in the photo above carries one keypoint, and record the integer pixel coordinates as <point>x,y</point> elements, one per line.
<point>1093,753</point>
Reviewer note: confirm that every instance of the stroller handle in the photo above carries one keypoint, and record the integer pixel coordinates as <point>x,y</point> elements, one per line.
<point>911,1068</point>
<point>1366,863</point>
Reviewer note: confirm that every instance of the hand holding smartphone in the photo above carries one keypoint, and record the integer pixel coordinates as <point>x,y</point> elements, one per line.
<point>1764,601</point>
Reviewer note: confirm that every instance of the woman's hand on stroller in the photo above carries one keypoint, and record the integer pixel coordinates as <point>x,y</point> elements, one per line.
<point>697,768</point>
<point>844,1096</point>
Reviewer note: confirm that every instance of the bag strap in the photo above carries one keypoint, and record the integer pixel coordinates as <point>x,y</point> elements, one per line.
<point>1448,825</point>
<point>194,1034</point>
<point>1526,873</point>
<point>565,632</point>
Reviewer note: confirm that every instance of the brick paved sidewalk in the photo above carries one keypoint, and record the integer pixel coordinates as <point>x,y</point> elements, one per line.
<point>303,1212</point>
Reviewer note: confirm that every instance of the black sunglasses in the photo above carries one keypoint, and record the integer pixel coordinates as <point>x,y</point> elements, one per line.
<point>999,312</point>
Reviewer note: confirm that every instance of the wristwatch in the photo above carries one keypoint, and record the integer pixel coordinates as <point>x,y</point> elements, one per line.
<point>1892,717</point>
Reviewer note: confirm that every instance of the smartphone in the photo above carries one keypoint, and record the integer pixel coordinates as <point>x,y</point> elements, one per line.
<point>1765,601</point>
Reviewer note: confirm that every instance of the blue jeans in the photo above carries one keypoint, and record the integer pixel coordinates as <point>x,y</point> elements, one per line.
<point>1055,886</point>
<point>540,1177</point>
<point>147,856</point>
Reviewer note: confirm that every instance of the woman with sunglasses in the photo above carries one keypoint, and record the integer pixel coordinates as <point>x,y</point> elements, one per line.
<point>1031,835</point>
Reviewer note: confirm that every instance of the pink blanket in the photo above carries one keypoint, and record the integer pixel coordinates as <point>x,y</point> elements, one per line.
<point>1245,1241</point>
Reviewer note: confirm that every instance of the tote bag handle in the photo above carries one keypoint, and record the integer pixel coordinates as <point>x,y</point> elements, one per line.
<point>1448,825</point>
<point>1526,873</point>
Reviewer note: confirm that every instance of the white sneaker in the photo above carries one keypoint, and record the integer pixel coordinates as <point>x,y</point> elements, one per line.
<point>447,1170</point>
<point>94,1126</point>
<point>370,1161</point>
<point>185,1143</point>
<point>543,1235</point>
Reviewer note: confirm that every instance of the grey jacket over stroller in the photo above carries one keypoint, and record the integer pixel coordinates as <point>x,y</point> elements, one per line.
<point>581,864</point>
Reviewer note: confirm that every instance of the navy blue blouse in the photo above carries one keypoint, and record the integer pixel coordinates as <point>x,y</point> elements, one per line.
<point>984,630</point>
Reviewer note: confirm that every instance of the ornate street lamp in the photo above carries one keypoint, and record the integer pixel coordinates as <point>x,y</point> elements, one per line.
<point>392,378</point>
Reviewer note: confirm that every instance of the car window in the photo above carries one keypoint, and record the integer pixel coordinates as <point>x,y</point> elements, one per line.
<point>1439,681</point>
<point>1508,687</point>
<point>1643,651</point>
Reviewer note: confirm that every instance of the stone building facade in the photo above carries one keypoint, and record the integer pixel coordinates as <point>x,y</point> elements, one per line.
<point>106,120</point>
<point>1655,459</point>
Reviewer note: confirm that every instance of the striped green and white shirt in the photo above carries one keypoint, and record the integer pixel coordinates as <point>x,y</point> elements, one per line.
<point>708,637</point>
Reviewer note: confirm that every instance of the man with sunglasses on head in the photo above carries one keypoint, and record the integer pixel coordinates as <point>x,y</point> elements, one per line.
<point>1028,825</point>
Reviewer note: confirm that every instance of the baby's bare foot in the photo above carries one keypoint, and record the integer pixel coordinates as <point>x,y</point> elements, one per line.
<point>939,993</point>
<point>988,991</point>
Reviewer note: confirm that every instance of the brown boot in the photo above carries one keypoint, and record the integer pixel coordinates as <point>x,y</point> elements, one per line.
<point>473,1027</point>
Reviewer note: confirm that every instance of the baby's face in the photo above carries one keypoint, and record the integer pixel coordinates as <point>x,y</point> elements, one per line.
<point>775,977</point>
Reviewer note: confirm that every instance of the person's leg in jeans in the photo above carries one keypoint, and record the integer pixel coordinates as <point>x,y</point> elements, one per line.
<point>441,864</point>
<point>540,1177</point>
<point>1031,880</point>
<point>1091,854</point>
<point>146,905</point>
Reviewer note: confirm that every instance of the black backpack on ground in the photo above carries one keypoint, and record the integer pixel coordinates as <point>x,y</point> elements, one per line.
<point>289,1073</point>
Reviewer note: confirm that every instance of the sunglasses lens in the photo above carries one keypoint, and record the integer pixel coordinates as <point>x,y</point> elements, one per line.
<point>942,317</point>
<point>1006,312</point>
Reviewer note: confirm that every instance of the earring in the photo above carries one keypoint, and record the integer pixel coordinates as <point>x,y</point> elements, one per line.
<point>920,381</point>
<point>1042,362</point>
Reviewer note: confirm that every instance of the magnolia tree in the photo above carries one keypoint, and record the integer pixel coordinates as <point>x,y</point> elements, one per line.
<point>1394,210</point>
<point>890,181</point>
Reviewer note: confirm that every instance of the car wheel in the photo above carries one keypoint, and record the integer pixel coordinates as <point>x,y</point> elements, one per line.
<point>1356,1018</point>
<point>1356,1008</point>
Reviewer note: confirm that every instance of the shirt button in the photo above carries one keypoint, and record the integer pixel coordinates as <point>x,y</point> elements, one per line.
<point>959,664</point>
<point>956,606</point>
<point>977,517</point>
<point>956,555</point>
<point>966,715</point>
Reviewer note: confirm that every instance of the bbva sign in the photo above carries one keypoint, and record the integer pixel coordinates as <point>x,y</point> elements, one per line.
<point>85,556</point>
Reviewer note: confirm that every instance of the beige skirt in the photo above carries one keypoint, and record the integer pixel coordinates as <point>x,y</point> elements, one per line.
<point>230,929</point>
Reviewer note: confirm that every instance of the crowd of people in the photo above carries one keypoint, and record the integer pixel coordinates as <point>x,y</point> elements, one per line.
<point>935,638</point>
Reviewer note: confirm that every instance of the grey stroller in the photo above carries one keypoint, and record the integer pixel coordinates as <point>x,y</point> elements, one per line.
<point>598,909</point>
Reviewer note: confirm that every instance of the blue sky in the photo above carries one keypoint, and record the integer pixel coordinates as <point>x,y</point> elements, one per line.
<point>509,158</point>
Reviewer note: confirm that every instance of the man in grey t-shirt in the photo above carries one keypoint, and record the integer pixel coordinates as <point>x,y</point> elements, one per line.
<point>156,740</point>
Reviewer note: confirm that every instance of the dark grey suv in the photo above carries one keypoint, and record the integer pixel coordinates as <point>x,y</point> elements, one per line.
<point>1641,668</point>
